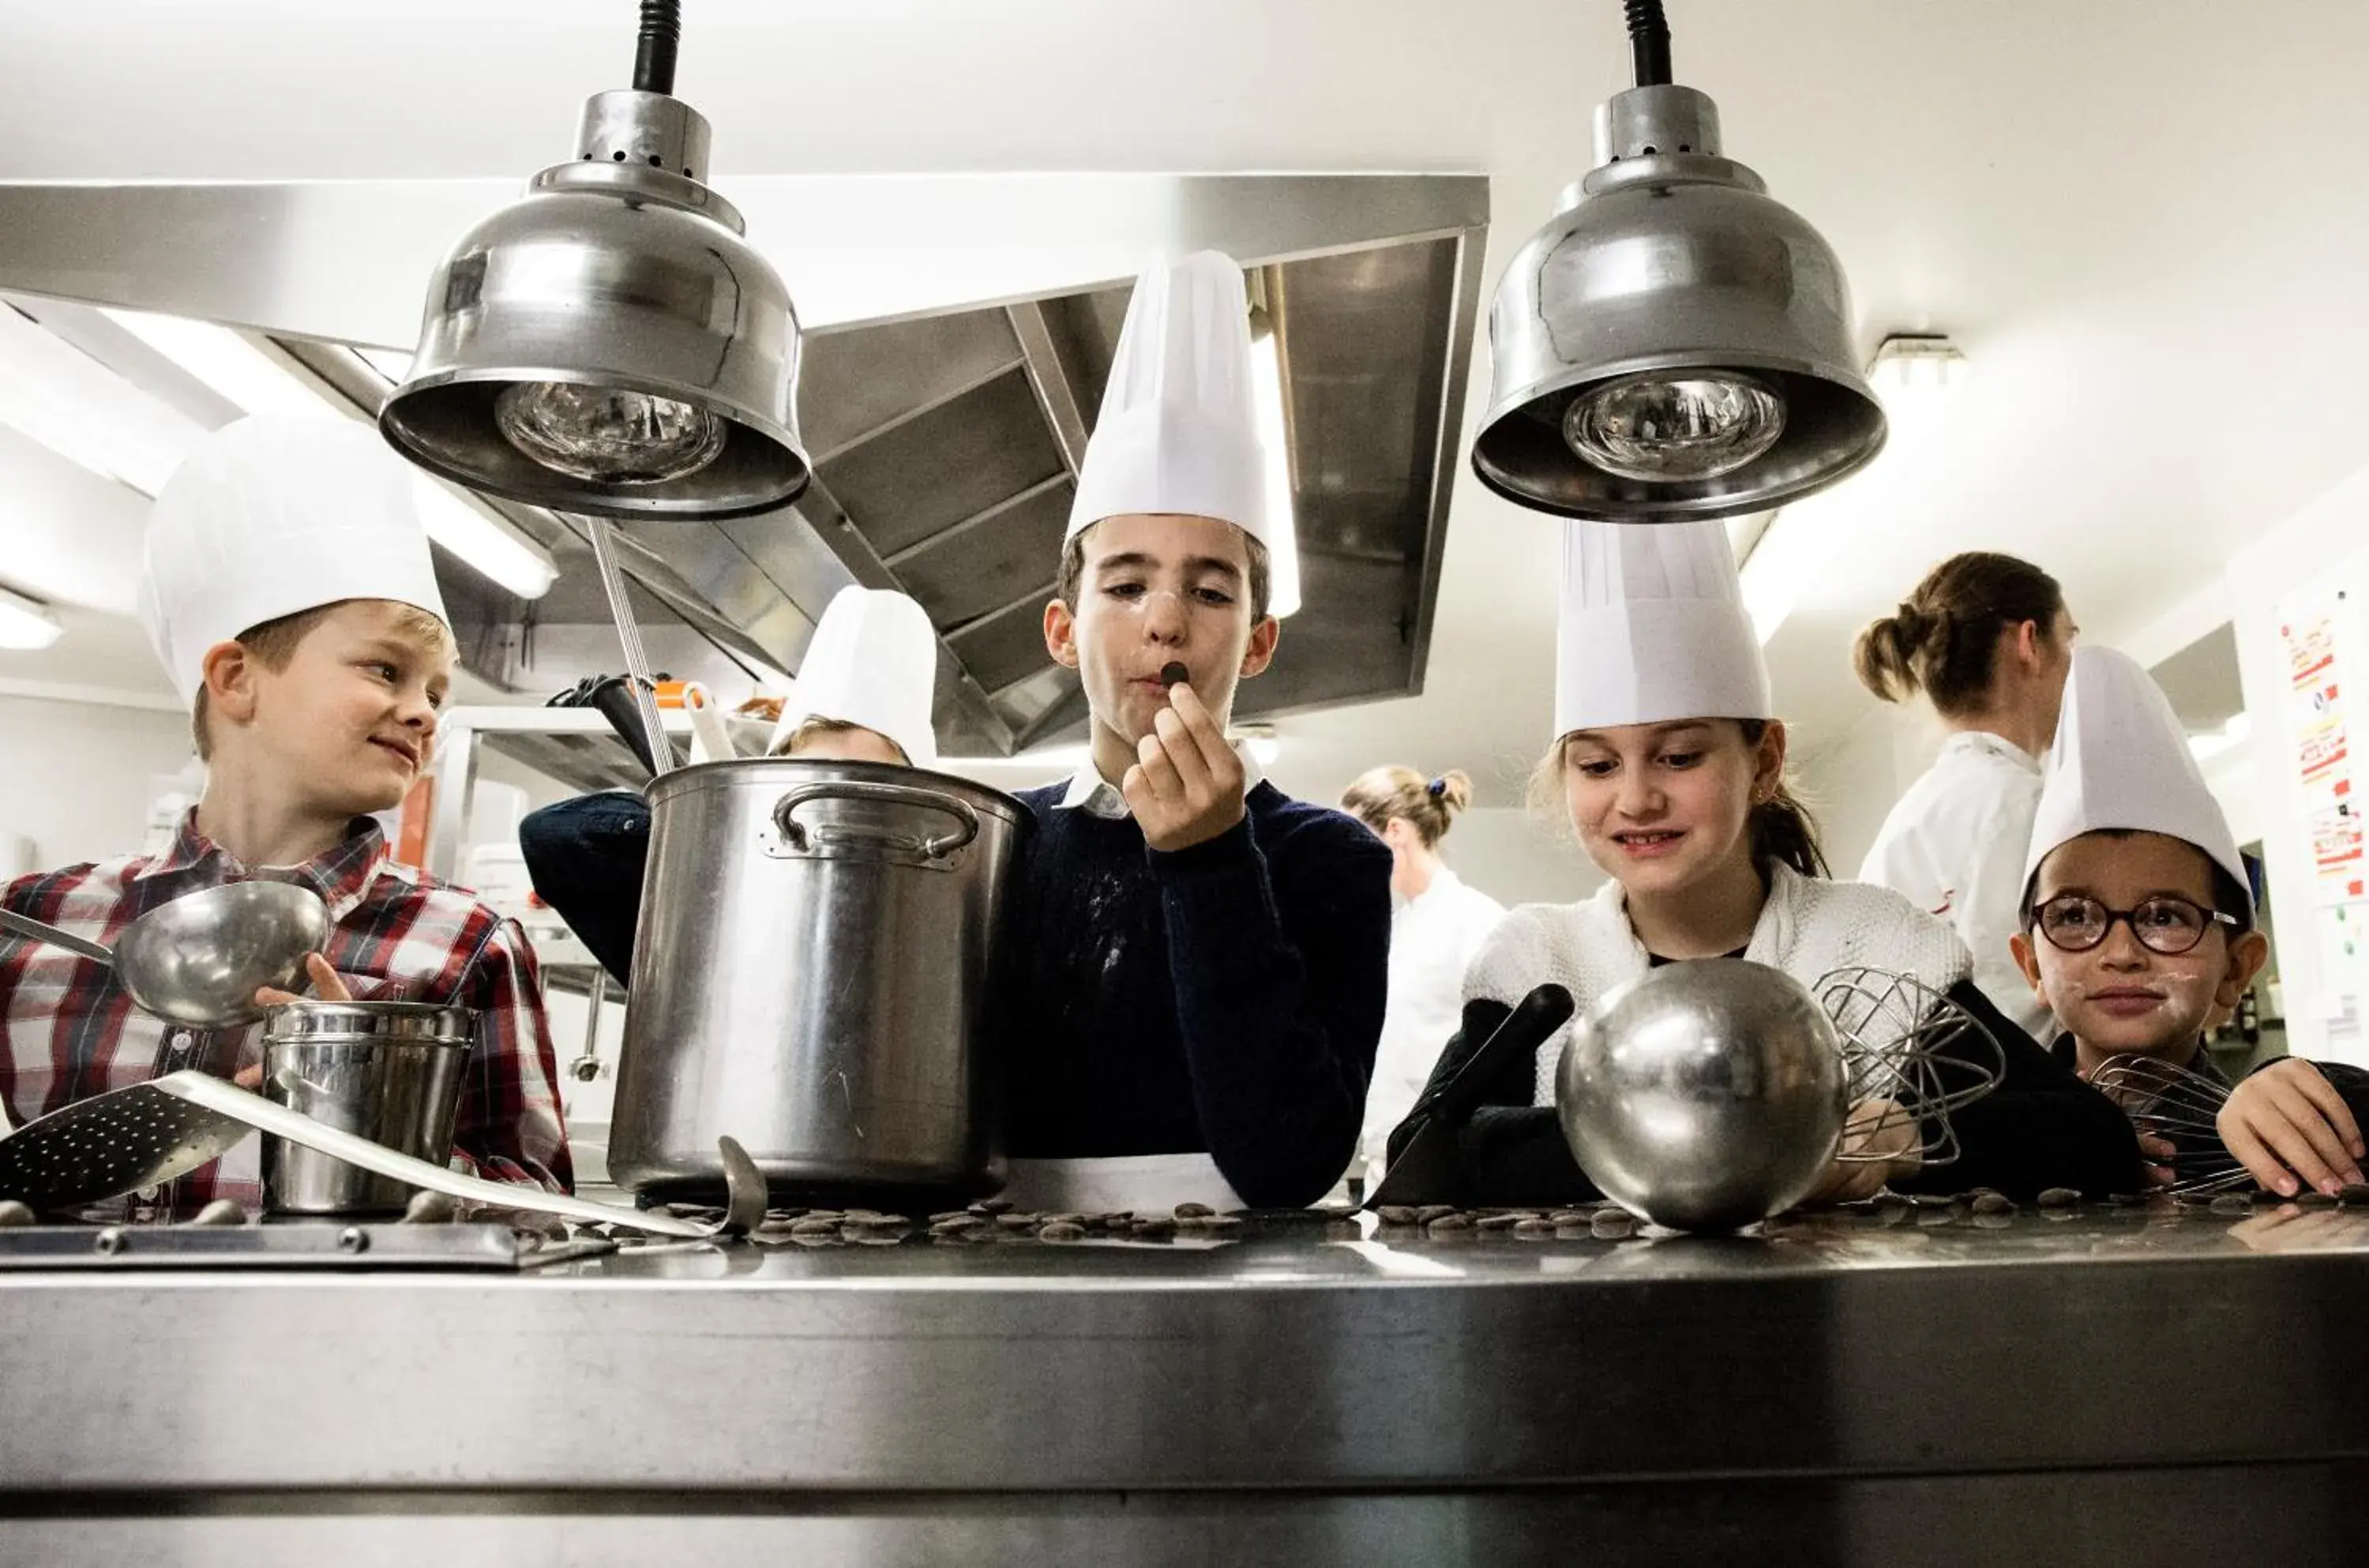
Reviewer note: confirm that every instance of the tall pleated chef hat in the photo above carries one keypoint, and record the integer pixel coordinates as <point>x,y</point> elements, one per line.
<point>873,662</point>
<point>2120,760</point>
<point>1178,431</point>
<point>1653,628</point>
<point>273,515</point>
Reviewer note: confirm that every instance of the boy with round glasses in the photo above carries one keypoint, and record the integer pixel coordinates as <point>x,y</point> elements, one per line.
<point>2138,927</point>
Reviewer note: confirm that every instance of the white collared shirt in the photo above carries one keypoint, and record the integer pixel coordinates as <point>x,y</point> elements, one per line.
<point>1098,796</point>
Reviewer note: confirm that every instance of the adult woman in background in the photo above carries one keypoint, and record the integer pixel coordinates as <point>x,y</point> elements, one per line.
<point>1988,639</point>
<point>1436,926</point>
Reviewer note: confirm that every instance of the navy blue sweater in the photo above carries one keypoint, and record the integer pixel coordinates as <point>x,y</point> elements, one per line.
<point>1226,998</point>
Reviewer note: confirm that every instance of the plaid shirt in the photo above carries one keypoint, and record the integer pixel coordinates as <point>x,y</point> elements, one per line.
<point>396,934</point>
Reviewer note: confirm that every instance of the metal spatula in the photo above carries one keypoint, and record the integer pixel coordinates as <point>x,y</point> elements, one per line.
<point>148,1133</point>
<point>744,1182</point>
<point>111,1144</point>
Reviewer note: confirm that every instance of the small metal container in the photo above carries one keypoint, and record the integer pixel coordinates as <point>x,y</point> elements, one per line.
<point>390,1071</point>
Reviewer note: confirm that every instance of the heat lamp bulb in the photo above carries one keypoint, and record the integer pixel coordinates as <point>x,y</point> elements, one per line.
<point>608,434</point>
<point>1663,429</point>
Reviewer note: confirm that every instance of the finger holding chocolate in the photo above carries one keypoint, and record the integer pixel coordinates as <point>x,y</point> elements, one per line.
<point>1186,784</point>
<point>1201,726</point>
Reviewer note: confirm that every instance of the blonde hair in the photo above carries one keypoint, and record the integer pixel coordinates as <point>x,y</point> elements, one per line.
<point>817,728</point>
<point>1382,794</point>
<point>1781,828</point>
<point>274,643</point>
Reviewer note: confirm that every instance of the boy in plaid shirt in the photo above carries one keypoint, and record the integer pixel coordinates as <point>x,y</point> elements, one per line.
<point>289,591</point>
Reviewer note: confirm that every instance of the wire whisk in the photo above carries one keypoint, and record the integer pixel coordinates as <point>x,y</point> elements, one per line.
<point>1907,1046</point>
<point>2183,1106</point>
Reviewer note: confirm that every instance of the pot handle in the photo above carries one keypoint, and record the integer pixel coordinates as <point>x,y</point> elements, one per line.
<point>794,835</point>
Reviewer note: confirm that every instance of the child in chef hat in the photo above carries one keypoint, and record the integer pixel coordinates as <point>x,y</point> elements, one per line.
<point>2138,926</point>
<point>1669,761</point>
<point>289,592</point>
<point>1201,961</point>
<point>864,694</point>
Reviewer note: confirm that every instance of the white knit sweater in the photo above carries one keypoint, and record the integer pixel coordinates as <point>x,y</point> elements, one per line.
<point>1808,928</point>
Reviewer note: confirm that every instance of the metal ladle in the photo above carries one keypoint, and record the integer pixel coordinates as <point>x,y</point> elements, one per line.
<point>199,960</point>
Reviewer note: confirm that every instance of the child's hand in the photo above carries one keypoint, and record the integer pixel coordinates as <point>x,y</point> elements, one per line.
<point>1875,1128</point>
<point>2161,1156</point>
<point>326,987</point>
<point>2288,1121</point>
<point>1186,786</point>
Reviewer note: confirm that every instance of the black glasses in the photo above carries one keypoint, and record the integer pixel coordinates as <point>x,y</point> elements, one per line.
<point>2163,925</point>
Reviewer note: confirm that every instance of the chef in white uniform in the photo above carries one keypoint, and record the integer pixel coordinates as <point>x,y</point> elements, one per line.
<point>1437,923</point>
<point>1988,639</point>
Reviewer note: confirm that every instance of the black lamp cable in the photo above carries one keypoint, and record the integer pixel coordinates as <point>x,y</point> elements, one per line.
<point>662,30</point>
<point>1649,41</point>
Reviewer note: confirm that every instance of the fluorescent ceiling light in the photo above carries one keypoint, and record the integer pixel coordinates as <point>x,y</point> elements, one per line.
<point>1780,568</point>
<point>1916,365</point>
<point>27,622</point>
<point>1283,554</point>
<point>1259,740</point>
<point>487,542</point>
<point>226,362</point>
<point>86,413</point>
<point>260,385</point>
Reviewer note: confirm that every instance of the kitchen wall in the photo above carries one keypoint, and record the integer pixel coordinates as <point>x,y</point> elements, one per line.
<point>80,776</point>
<point>1851,784</point>
<point>1514,858</point>
<point>2323,955</point>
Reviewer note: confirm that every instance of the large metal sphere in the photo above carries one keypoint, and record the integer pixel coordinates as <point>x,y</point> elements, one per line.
<point>1706,1096</point>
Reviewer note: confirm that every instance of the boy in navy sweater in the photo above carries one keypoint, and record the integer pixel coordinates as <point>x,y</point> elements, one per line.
<point>1199,960</point>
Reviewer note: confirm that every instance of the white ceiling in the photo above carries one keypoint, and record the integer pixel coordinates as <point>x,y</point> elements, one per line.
<point>2141,219</point>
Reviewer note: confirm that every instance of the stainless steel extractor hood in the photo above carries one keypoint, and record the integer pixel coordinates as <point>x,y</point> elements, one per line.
<point>945,400</point>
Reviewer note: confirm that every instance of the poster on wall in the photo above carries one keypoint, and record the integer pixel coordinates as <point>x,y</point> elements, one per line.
<point>2314,633</point>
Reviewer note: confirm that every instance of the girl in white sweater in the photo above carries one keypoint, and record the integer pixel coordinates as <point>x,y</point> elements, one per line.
<point>1670,766</point>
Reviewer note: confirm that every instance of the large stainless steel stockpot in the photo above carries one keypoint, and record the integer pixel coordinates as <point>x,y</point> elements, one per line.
<point>809,970</point>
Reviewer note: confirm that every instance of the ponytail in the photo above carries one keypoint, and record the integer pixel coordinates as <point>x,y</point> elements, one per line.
<point>1429,803</point>
<point>1944,637</point>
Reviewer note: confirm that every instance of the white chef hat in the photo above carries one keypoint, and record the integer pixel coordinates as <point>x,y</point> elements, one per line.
<point>2120,760</point>
<point>271,516</point>
<point>873,662</point>
<point>1178,431</point>
<point>1653,628</point>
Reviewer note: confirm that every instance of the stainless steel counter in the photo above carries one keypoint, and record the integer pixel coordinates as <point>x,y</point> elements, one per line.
<point>2073,1386</point>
